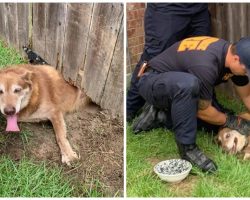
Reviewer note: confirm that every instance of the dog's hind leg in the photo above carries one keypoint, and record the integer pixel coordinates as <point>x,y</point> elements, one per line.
<point>68,155</point>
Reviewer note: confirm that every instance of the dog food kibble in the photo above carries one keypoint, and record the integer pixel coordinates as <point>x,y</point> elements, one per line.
<point>173,167</point>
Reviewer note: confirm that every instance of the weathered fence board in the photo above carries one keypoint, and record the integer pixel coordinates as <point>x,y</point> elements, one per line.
<point>105,26</point>
<point>2,21</point>
<point>82,40</point>
<point>14,24</point>
<point>11,24</point>
<point>23,25</point>
<point>39,28</point>
<point>48,31</point>
<point>115,75</point>
<point>77,22</point>
<point>55,28</point>
<point>230,20</point>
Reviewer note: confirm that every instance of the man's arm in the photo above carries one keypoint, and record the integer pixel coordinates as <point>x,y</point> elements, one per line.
<point>210,114</point>
<point>244,93</point>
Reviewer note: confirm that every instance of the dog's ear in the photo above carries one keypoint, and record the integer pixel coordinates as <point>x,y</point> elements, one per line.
<point>27,77</point>
<point>216,139</point>
<point>221,132</point>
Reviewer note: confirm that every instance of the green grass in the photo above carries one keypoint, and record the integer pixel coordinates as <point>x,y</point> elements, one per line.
<point>94,189</point>
<point>9,56</point>
<point>148,148</point>
<point>26,179</point>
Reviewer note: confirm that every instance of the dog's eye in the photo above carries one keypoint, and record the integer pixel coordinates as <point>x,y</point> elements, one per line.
<point>227,135</point>
<point>17,90</point>
<point>1,91</point>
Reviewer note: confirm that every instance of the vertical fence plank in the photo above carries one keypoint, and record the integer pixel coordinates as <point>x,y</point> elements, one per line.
<point>39,28</point>
<point>104,32</point>
<point>54,35</point>
<point>243,21</point>
<point>2,21</point>
<point>217,15</point>
<point>23,25</point>
<point>248,19</point>
<point>11,25</point>
<point>76,34</point>
<point>113,93</point>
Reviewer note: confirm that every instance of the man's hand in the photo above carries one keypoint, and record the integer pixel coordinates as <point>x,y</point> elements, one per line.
<point>238,123</point>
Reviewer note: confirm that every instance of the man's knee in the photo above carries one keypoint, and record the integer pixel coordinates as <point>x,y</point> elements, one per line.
<point>189,85</point>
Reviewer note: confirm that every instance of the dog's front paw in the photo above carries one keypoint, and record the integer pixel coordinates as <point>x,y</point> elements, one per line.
<point>69,158</point>
<point>246,156</point>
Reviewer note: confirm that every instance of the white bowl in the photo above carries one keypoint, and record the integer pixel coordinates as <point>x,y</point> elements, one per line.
<point>173,170</point>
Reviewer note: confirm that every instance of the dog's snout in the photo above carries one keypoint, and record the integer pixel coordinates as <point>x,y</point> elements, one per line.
<point>9,110</point>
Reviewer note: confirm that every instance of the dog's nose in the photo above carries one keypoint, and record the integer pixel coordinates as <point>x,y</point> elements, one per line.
<point>9,110</point>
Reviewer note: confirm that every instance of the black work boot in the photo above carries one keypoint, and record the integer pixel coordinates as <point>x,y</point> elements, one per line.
<point>146,119</point>
<point>150,118</point>
<point>193,154</point>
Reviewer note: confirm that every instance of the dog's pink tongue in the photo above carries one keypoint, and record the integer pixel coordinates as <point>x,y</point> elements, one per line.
<point>12,124</point>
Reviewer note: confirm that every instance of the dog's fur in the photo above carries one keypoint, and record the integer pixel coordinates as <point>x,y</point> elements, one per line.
<point>232,142</point>
<point>39,93</point>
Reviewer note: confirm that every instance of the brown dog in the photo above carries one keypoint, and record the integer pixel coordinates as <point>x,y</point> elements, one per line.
<point>35,93</point>
<point>233,142</point>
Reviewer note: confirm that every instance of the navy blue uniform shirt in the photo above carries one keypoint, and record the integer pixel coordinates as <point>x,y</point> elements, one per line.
<point>201,56</point>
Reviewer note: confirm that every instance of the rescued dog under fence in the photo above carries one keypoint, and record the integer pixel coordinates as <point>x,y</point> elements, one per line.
<point>35,93</point>
<point>232,142</point>
<point>33,57</point>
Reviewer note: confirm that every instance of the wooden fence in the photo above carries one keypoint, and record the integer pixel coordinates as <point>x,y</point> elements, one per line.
<point>82,40</point>
<point>230,21</point>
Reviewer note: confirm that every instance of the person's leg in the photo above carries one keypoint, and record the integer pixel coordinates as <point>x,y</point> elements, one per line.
<point>200,24</point>
<point>161,31</point>
<point>180,92</point>
<point>134,101</point>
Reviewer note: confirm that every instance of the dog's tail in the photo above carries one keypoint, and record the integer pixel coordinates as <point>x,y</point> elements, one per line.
<point>34,58</point>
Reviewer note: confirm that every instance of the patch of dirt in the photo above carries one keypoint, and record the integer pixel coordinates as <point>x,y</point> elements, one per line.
<point>93,133</point>
<point>153,161</point>
<point>185,187</point>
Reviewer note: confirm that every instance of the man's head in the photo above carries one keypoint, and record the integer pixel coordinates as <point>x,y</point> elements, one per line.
<point>239,57</point>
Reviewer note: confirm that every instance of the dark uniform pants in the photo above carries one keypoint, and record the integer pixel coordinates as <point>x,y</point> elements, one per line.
<point>162,29</point>
<point>178,92</point>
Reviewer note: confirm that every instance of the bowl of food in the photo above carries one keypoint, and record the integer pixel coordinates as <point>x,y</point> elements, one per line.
<point>173,170</point>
